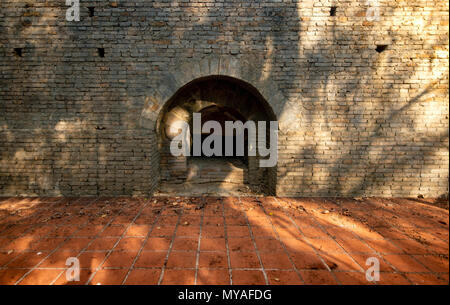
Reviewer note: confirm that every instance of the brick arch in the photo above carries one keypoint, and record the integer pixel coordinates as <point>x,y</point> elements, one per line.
<point>247,71</point>
<point>263,179</point>
<point>266,112</point>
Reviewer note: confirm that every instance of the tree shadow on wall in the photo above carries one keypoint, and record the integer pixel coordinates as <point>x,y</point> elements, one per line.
<point>80,110</point>
<point>376,140</point>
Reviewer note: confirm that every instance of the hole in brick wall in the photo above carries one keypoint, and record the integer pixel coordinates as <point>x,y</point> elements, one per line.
<point>333,11</point>
<point>91,11</point>
<point>101,52</point>
<point>380,48</point>
<point>18,52</point>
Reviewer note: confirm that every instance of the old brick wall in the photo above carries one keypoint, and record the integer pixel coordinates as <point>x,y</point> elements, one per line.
<point>353,121</point>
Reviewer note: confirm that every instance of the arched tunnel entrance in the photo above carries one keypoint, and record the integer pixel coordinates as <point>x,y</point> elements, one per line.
<point>220,99</point>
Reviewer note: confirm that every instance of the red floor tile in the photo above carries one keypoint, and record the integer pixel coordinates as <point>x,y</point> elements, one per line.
<point>392,279</point>
<point>64,231</point>
<point>182,260</point>
<point>404,263</point>
<point>151,259</point>
<point>91,260</point>
<point>213,221</point>
<point>161,231</point>
<point>213,277</point>
<point>424,279</point>
<point>143,277</point>
<point>27,259</point>
<point>268,245</point>
<point>307,260</point>
<point>76,243</point>
<point>354,246</point>
<point>102,243</point>
<point>244,260</point>
<point>341,262</point>
<point>313,232</point>
<point>317,277</point>
<point>185,243</point>
<point>89,230</point>
<point>213,260</point>
<point>64,280</point>
<point>6,257</point>
<point>130,243</point>
<point>248,277</point>
<point>277,277</point>
<point>120,259</point>
<point>188,231</point>
<point>213,232</point>
<point>413,246</point>
<point>435,263</point>
<point>58,259</point>
<point>297,245</point>
<point>109,277</point>
<point>41,277</point>
<point>113,230</point>
<point>384,246</point>
<point>138,230</point>
<point>240,244</point>
<point>263,231</point>
<point>238,231</point>
<point>157,243</point>
<point>213,244</point>
<point>178,277</point>
<point>11,276</point>
<point>275,260</point>
<point>326,245</point>
<point>236,220</point>
<point>352,278</point>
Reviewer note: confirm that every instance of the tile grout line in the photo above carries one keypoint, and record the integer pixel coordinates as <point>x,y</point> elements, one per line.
<point>393,241</point>
<point>198,245</point>
<point>99,267</point>
<point>340,246</point>
<point>81,230</point>
<point>331,236</point>
<point>87,246</point>
<point>40,237</point>
<point>155,221</point>
<point>254,245</point>
<point>382,255</point>
<point>41,261</point>
<point>226,242</point>
<point>32,226</point>
<point>282,243</point>
<point>169,250</point>
<point>306,241</point>
<point>362,240</point>
<point>399,228</point>
<point>412,256</point>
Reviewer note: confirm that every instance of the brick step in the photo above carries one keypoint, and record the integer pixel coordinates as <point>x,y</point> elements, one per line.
<point>205,170</point>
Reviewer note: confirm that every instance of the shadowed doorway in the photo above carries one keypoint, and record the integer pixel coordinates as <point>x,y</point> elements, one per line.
<point>219,99</point>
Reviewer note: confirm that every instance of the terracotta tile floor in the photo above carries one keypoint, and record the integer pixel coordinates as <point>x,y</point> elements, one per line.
<point>227,240</point>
